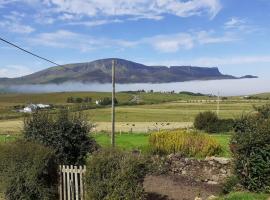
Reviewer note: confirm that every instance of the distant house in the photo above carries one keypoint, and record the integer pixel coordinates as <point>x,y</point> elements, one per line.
<point>98,102</point>
<point>33,107</point>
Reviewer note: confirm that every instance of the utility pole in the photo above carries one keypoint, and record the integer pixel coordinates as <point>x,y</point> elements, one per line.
<point>113,106</point>
<point>218,106</point>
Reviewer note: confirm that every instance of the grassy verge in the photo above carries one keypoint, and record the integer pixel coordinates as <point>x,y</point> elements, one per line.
<point>244,196</point>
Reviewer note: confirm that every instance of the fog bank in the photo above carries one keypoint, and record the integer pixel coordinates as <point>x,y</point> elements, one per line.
<point>224,87</point>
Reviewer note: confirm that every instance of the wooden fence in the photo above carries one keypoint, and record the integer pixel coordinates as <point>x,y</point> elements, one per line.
<point>71,186</point>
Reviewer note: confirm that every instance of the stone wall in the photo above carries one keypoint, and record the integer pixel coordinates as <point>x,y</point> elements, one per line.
<point>212,170</point>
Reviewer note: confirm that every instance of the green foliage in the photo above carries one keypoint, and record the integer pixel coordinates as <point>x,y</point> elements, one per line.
<point>244,196</point>
<point>66,133</point>
<point>205,121</point>
<point>107,101</point>
<point>230,184</point>
<point>79,100</point>
<point>251,151</point>
<point>112,174</point>
<point>27,171</point>
<point>208,121</point>
<point>188,143</point>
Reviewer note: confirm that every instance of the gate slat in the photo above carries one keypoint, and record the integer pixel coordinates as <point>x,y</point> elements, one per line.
<point>72,182</point>
<point>76,184</point>
<point>60,183</point>
<point>64,178</point>
<point>68,182</point>
<point>81,183</point>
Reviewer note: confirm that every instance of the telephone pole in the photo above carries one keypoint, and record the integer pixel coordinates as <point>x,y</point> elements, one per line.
<point>113,106</point>
<point>218,106</point>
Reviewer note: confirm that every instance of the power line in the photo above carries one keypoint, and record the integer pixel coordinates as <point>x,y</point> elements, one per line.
<point>26,51</point>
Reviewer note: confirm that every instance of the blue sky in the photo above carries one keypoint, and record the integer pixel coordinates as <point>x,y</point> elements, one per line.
<point>230,34</point>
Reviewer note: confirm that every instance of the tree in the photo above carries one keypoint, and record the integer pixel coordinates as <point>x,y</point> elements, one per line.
<point>66,133</point>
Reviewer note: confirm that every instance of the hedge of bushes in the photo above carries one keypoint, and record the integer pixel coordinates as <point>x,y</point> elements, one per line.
<point>208,121</point>
<point>27,171</point>
<point>250,146</point>
<point>113,174</point>
<point>190,144</point>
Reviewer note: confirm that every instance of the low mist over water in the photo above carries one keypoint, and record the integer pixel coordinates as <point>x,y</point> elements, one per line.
<point>224,87</point>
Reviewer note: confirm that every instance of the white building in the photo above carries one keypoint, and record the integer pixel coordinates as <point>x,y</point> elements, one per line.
<point>32,107</point>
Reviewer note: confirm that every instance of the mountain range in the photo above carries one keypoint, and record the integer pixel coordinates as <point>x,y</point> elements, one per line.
<point>126,72</point>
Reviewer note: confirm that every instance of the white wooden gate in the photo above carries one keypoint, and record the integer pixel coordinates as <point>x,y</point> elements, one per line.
<point>71,186</point>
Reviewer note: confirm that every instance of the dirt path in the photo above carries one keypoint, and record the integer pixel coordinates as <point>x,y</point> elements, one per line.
<point>177,188</point>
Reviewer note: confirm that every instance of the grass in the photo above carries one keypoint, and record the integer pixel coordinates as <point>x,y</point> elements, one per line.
<point>139,141</point>
<point>224,141</point>
<point>169,112</point>
<point>244,196</point>
<point>125,141</point>
<point>8,138</point>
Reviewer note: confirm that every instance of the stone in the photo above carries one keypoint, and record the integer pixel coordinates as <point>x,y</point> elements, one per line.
<point>212,197</point>
<point>198,198</point>
<point>212,182</point>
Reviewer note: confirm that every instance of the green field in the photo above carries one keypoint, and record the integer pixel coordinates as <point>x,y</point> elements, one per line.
<point>171,111</point>
<point>157,107</point>
<point>139,141</point>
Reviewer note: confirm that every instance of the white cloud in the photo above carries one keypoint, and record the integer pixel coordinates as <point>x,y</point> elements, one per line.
<point>170,43</point>
<point>68,39</point>
<point>96,22</point>
<point>162,43</point>
<point>208,37</point>
<point>12,23</point>
<point>12,71</point>
<point>137,8</point>
<point>235,22</point>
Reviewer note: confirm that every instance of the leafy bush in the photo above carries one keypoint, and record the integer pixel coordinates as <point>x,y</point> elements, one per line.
<point>107,101</point>
<point>250,146</point>
<point>188,143</point>
<point>66,133</point>
<point>208,121</point>
<point>115,175</point>
<point>27,171</point>
<point>230,184</point>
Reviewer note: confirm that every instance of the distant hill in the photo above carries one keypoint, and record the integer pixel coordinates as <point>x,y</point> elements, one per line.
<point>126,72</point>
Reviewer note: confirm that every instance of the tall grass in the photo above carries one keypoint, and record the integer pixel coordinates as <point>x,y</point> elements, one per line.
<point>190,144</point>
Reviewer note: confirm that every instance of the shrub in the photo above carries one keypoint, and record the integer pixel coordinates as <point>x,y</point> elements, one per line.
<point>27,171</point>
<point>208,121</point>
<point>230,184</point>
<point>250,146</point>
<point>115,175</point>
<point>66,133</point>
<point>188,143</point>
<point>107,101</point>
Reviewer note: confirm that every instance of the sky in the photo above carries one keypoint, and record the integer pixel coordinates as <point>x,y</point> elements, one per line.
<point>230,34</point>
